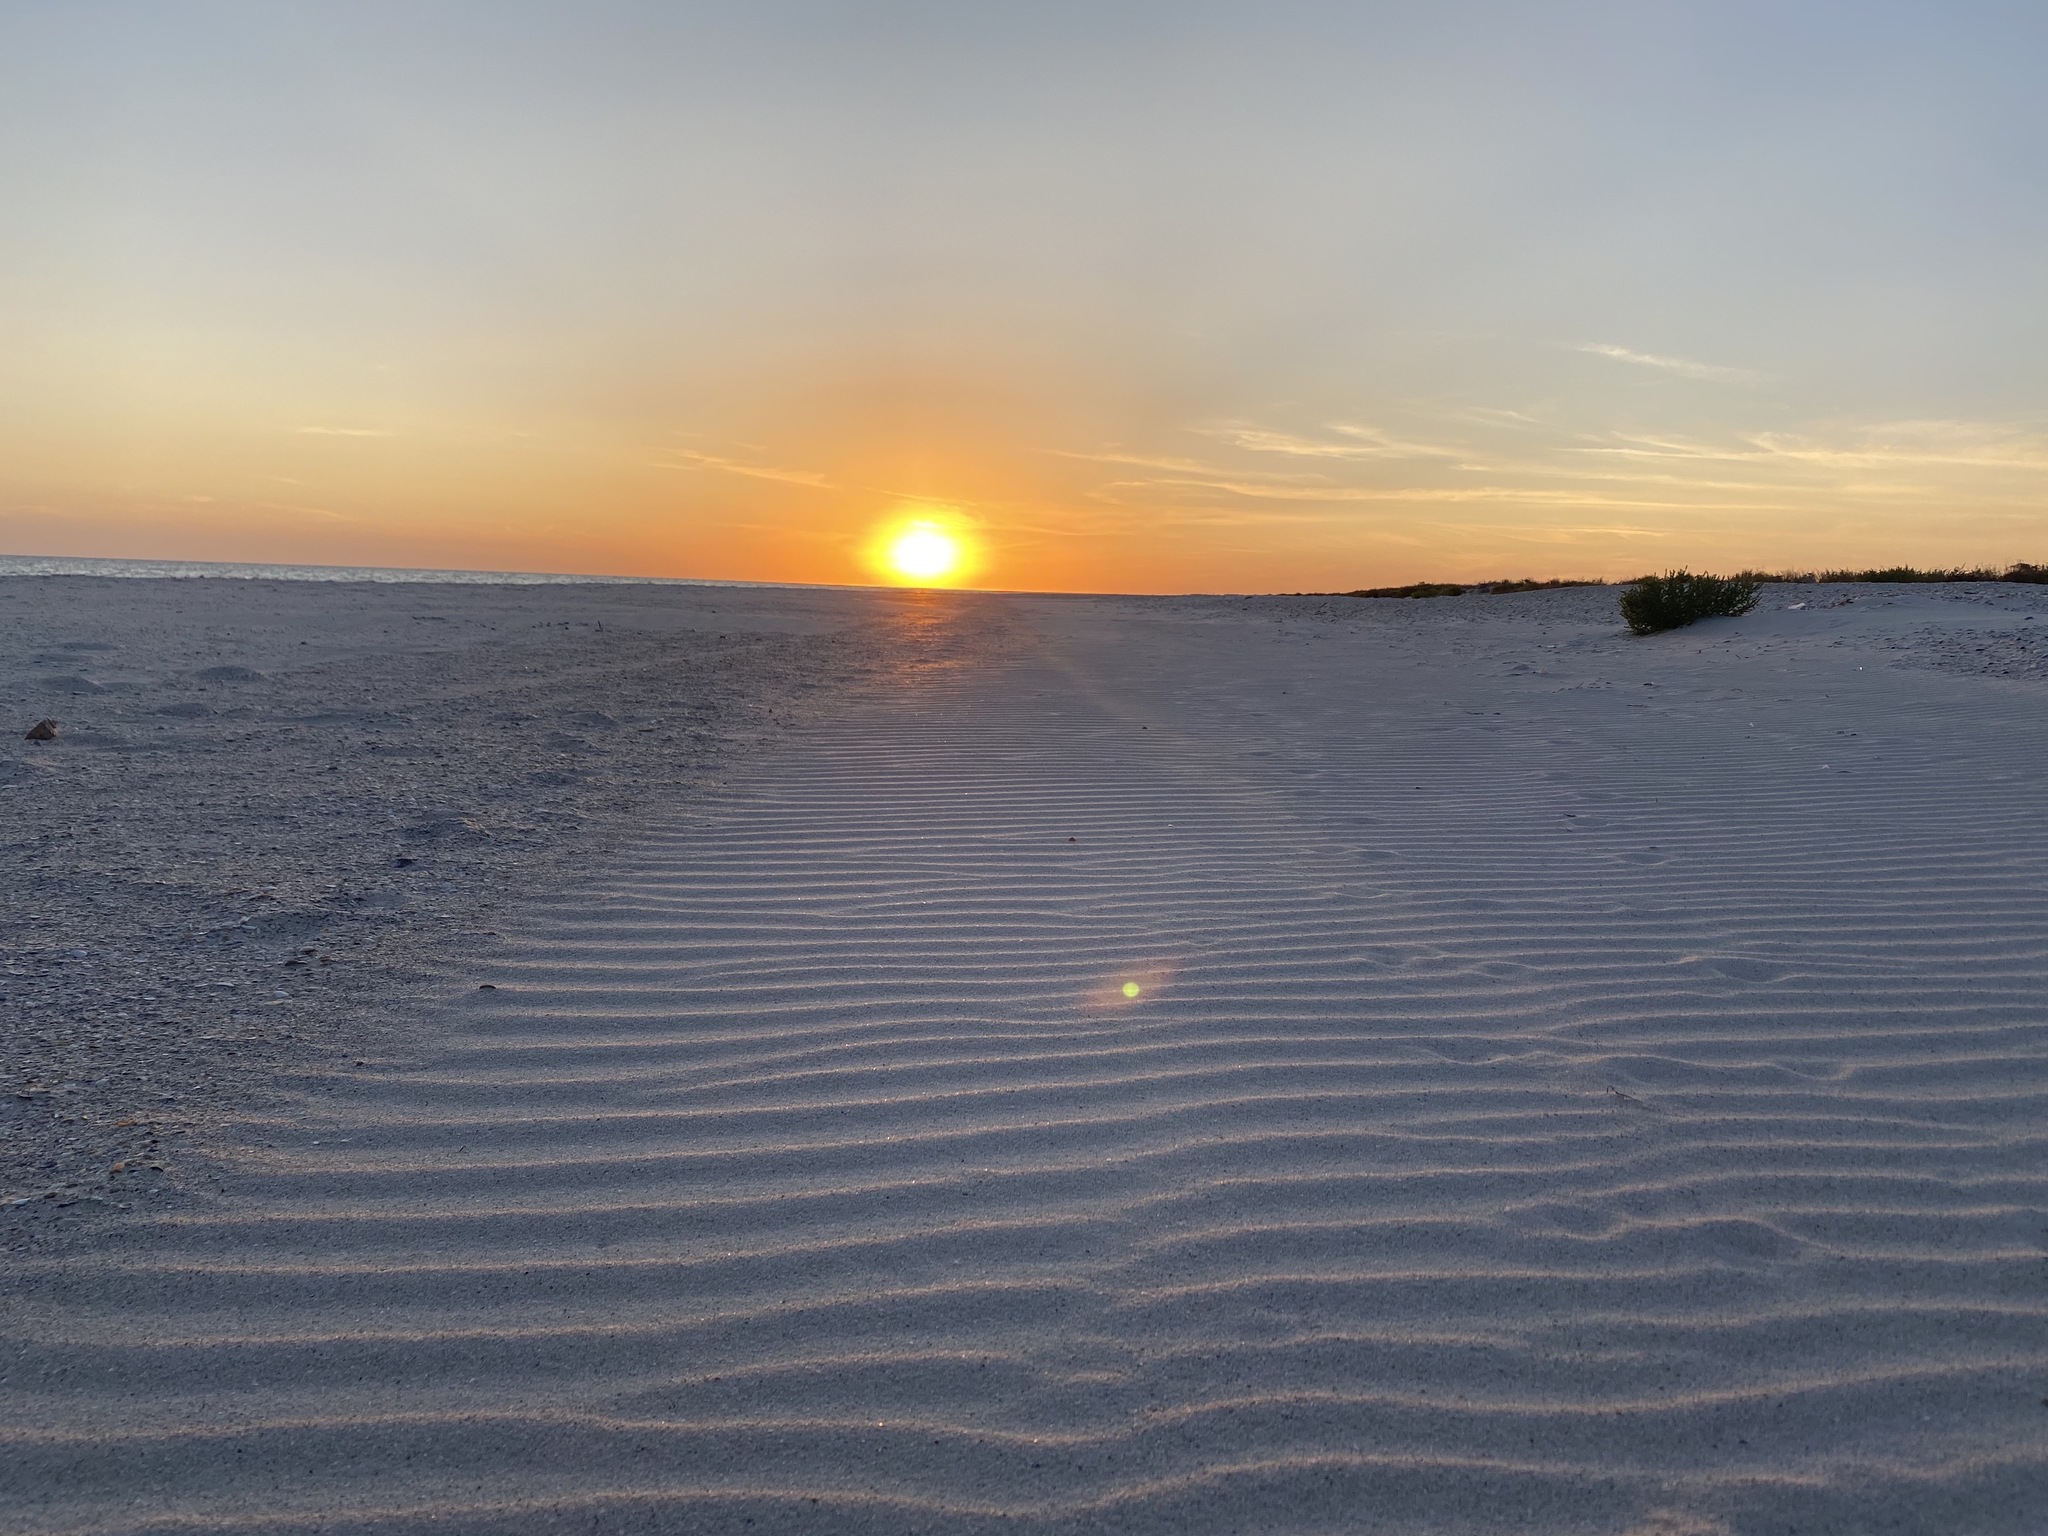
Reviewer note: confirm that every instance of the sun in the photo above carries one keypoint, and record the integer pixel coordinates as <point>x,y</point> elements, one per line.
<point>924,552</point>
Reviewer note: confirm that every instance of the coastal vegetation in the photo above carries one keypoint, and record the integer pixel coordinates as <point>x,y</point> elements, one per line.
<point>1678,598</point>
<point>1460,588</point>
<point>2022,571</point>
<point>2033,575</point>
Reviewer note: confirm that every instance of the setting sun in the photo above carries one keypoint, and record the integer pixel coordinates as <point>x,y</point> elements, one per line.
<point>922,551</point>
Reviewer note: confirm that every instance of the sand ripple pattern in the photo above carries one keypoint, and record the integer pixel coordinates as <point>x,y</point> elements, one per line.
<point>1526,1121</point>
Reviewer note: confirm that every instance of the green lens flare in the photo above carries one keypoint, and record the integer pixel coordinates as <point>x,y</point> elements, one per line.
<point>1132,989</point>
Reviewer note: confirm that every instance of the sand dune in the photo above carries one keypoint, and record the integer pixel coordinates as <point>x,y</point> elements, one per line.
<point>1573,1084</point>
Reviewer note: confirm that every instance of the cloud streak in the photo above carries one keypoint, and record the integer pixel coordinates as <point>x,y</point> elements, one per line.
<point>1888,445</point>
<point>1684,367</point>
<point>715,465</point>
<point>1357,442</point>
<point>1504,495</point>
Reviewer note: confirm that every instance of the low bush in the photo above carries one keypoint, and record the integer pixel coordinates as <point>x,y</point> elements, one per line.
<point>2023,572</point>
<point>1460,588</point>
<point>1908,573</point>
<point>1680,592</point>
<point>1414,589</point>
<point>1666,602</point>
<point>1529,585</point>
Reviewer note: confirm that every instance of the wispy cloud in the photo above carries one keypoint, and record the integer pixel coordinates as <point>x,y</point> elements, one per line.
<point>1499,418</point>
<point>345,432</point>
<point>1136,460</point>
<point>1505,495</point>
<point>1642,484</point>
<point>1887,445</point>
<point>1626,445</point>
<point>1614,531</point>
<point>1550,533</point>
<point>328,513</point>
<point>1958,444</point>
<point>1685,367</point>
<point>717,465</point>
<point>1351,442</point>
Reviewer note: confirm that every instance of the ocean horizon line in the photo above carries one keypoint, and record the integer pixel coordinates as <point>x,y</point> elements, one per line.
<point>257,570</point>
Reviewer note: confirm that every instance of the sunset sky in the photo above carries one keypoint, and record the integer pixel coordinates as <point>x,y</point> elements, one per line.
<point>1137,296</point>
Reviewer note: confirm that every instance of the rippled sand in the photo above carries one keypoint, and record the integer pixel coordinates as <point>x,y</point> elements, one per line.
<point>1574,1083</point>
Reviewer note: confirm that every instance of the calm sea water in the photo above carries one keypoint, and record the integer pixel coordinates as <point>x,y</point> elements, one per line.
<point>64,565</point>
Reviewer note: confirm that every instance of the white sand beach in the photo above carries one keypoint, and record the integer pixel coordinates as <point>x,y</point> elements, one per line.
<point>272,804</point>
<point>1091,1065</point>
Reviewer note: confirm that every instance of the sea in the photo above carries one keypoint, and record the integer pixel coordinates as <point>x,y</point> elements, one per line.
<point>69,565</point>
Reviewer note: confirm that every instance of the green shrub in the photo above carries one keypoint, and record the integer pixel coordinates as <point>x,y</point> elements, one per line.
<point>1529,584</point>
<point>1909,573</point>
<point>1665,602</point>
<point>2022,572</point>
<point>1460,588</point>
<point>1750,580</point>
<point>1414,589</point>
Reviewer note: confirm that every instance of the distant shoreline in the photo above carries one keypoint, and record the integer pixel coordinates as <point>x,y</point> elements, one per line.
<point>2020,572</point>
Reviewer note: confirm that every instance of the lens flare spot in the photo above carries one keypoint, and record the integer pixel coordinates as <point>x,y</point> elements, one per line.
<point>1132,989</point>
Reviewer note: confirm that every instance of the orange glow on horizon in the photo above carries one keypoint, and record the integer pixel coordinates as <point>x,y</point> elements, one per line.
<point>1001,490</point>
